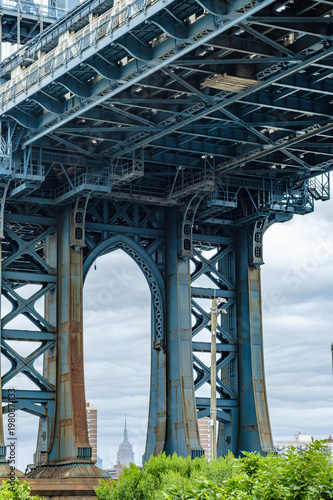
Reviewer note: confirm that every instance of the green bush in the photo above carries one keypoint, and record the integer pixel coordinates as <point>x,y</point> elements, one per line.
<point>296,475</point>
<point>16,491</point>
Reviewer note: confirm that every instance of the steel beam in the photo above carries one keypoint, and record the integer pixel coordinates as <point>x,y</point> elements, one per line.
<point>254,432</point>
<point>266,118</point>
<point>68,440</point>
<point>182,434</point>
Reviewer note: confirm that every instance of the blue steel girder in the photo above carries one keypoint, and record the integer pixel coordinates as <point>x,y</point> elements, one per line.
<point>31,16</point>
<point>104,92</point>
<point>117,76</point>
<point>51,23</point>
<point>138,230</point>
<point>225,269</point>
<point>149,234</point>
<point>213,275</point>
<point>24,269</point>
<point>127,113</point>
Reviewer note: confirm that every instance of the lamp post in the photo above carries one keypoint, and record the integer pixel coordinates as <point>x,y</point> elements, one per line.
<point>214,311</point>
<point>213,326</point>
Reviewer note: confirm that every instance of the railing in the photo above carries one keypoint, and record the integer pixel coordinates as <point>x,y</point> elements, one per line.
<point>74,46</point>
<point>293,200</point>
<point>32,171</point>
<point>205,180</point>
<point>90,182</point>
<point>4,147</point>
<point>137,190</point>
<point>122,171</point>
<point>33,8</point>
<point>58,27</point>
<point>223,197</point>
<point>319,187</point>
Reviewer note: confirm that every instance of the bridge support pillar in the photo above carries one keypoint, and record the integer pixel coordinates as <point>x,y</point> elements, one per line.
<point>70,440</point>
<point>254,431</point>
<point>68,443</point>
<point>182,429</point>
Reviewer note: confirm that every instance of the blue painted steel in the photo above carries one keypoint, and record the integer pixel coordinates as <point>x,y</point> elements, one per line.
<point>31,15</point>
<point>218,270</point>
<point>67,436</point>
<point>254,431</point>
<point>54,21</point>
<point>178,132</point>
<point>182,429</point>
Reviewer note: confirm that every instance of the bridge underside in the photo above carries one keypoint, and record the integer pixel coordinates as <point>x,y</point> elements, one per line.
<point>178,132</point>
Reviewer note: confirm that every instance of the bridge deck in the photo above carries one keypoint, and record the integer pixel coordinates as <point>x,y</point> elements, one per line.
<point>33,17</point>
<point>47,39</point>
<point>241,88</point>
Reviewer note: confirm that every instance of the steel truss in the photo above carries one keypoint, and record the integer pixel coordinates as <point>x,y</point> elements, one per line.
<point>177,131</point>
<point>219,268</point>
<point>33,248</point>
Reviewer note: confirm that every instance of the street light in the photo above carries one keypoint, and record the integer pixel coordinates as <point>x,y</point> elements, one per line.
<point>214,311</point>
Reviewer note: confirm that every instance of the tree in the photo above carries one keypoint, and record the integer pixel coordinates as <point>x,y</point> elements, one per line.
<point>15,491</point>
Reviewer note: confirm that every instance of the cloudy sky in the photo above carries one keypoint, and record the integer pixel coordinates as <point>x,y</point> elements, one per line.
<point>297,286</point>
<point>297,283</point>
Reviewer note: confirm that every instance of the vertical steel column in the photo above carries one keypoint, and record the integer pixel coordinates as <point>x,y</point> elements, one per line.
<point>69,442</point>
<point>18,21</point>
<point>182,429</point>
<point>254,432</point>
<point>213,411</point>
<point>155,441</point>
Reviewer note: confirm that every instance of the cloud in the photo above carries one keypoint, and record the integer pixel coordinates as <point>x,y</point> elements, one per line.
<point>298,316</point>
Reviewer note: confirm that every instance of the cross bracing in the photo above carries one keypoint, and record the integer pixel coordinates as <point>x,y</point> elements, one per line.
<point>177,132</point>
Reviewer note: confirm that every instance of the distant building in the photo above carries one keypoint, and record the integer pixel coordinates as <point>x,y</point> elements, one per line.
<point>99,462</point>
<point>116,471</point>
<point>303,438</point>
<point>125,456</point>
<point>300,442</point>
<point>92,429</point>
<point>125,453</point>
<point>205,434</point>
<point>329,444</point>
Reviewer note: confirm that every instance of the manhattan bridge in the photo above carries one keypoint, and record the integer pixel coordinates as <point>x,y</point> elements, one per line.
<point>177,131</point>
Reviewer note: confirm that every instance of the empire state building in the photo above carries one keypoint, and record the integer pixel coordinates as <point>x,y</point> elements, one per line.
<point>125,453</point>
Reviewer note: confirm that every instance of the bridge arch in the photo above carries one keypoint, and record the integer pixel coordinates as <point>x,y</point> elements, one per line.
<point>157,405</point>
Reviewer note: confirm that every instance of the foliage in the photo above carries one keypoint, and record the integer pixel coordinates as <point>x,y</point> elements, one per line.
<point>296,475</point>
<point>16,491</point>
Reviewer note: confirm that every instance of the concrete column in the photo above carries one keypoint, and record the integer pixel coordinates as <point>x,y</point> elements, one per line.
<point>254,431</point>
<point>182,429</point>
